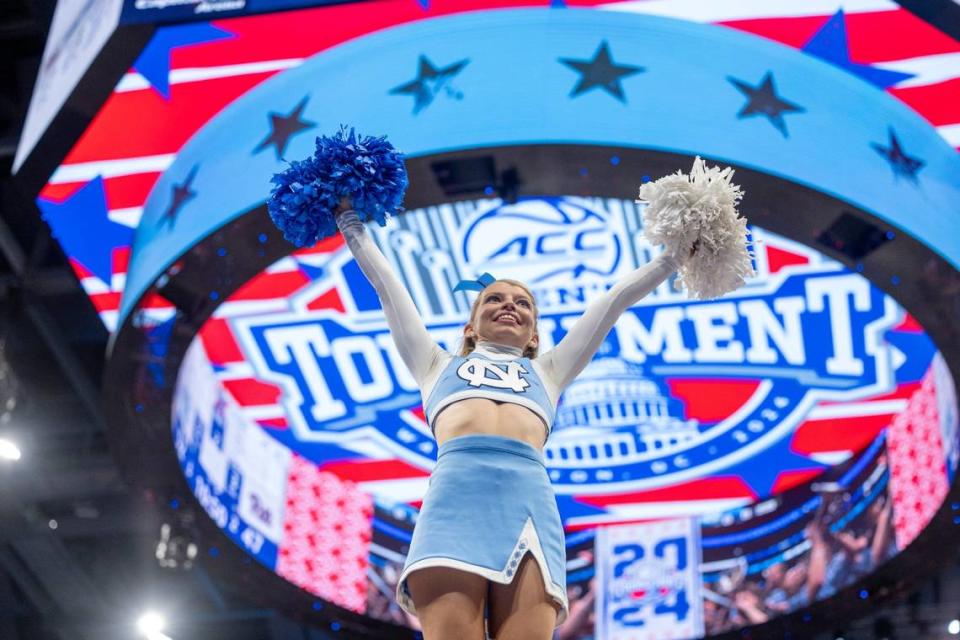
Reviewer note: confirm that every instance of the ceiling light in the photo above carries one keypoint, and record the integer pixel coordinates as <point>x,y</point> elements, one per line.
<point>151,625</point>
<point>954,627</point>
<point>8,450</point>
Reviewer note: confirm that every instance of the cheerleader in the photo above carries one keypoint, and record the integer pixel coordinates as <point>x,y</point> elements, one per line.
<point>487,555</point>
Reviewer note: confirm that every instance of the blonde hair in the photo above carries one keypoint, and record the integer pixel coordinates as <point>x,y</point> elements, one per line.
<point>469,343</point>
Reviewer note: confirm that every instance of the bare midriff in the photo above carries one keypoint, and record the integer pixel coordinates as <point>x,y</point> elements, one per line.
<point>488,417</point>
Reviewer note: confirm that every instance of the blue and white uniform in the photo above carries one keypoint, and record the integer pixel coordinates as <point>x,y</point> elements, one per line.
<point>490,501</point>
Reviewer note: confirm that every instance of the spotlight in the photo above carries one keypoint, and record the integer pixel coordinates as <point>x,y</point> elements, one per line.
<point>953,628</point>
<point>9,450</point>
<point>151,622</point>
<point>151,625</point>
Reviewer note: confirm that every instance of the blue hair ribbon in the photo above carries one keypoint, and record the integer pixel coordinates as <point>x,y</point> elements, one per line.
<point>481,283</point>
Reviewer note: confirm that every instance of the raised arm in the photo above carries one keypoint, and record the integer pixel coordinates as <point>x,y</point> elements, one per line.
<point>415,346</point>
<point>572,354</point>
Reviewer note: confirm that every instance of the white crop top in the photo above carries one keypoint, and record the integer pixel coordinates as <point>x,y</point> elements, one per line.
<point>553,370</point>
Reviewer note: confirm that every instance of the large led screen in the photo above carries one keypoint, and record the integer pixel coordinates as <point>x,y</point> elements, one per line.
<point>717,464</point>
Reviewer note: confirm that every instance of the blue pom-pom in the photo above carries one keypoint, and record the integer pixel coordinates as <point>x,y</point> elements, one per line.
<point>366,169</point>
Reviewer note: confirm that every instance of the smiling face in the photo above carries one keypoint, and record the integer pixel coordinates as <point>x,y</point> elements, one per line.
<point>504,313</point>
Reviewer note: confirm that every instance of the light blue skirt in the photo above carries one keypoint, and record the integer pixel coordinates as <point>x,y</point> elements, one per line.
<point>489,504</point>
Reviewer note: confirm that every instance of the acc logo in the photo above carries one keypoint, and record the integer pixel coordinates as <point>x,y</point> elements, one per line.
<point>482,373</point>
<point>544,239</point>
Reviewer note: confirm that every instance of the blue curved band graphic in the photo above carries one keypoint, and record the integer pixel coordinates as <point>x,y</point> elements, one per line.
<point>675,86</point>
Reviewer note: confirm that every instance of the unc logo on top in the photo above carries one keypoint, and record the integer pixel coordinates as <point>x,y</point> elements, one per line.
<point>483,373</point>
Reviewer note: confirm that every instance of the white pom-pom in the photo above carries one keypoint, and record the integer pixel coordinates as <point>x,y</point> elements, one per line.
<point>699,212</point>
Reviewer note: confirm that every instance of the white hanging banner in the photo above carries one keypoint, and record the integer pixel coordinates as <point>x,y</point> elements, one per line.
<point>649,581</point>
<point>78,32</point>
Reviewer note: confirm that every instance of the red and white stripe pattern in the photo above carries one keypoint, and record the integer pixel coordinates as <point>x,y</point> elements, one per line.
<point>267,293</point>
<point>137,133</point>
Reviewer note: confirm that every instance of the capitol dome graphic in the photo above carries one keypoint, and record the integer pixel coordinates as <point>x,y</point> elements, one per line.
<point>613,414</point>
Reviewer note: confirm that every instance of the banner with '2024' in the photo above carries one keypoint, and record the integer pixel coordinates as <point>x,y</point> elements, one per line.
<point>648,581</point>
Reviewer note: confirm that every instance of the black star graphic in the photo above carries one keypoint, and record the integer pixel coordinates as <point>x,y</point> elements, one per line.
<point>601,72</point>
<point>764,101</point>
<point>182,193</point>
<point>282,128</point>
<point>903,166</point>
<point>429,82</point>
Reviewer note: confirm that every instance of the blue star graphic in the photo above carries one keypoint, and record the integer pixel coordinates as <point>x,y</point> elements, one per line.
<point>430,81</point>
<point>903,166</point>
<point>601,72</point>
<point>180,195</point>
<point>763,100</point>
<point>154,62</point>
<point>284,127</point>
<point>829,43</point>
<point>761,471</point>
<point>81,225</point>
